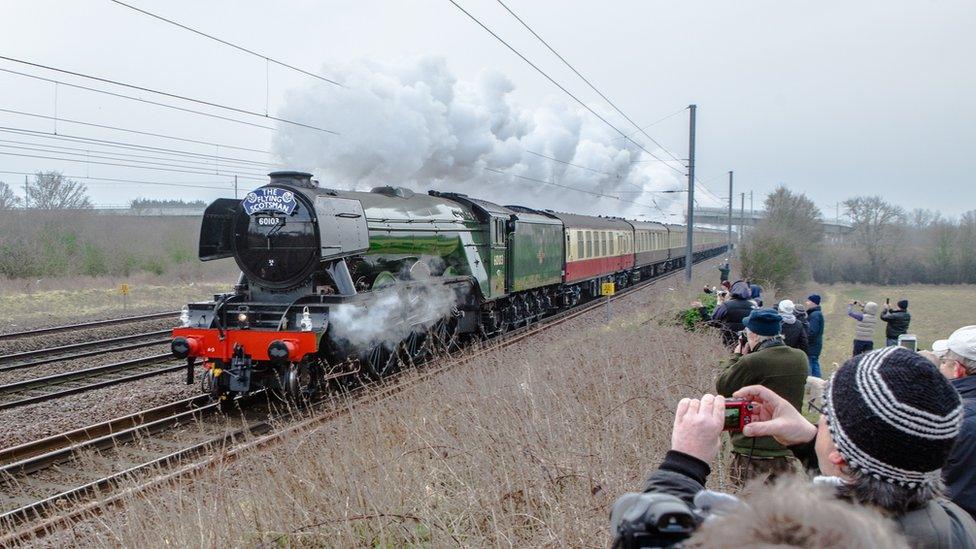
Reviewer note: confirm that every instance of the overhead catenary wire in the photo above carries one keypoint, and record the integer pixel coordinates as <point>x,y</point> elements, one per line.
<point>131,146</point>
<point>653,204</point>
<point>130,130</point>
<point>229,186</point>
<point>584,79</point>
<point>95,162</point>
<point>87,155</point>
<point>573,165</point>
<point>230,44</point>
<point>131,98</point>
<point>168,94</point>
<point>557,84</point>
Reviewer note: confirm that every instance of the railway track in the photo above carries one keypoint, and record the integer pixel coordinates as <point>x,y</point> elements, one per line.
<point>22,393</point>
<point>37,475</point>
<point>86,325</point>
<point>38,357</point>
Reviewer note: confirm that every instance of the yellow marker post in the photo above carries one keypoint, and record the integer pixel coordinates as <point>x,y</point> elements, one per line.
<point>124,290</point>
<point>607,289</point>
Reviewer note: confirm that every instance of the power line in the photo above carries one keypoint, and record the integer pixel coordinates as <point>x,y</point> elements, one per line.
<point>577,189</point>
<point>132,146</point>
<point>137,181</point>
<point>141,163</point>
<point>88,154</point>
<point>658,121</point>
<point>22,155</point>
<point>584,79</point>
<point>139,99</point>
<point>557,84</point>
<point>168,94</point>
<point>617,175</point>
<point>129,130</point>
<point>226,43</point>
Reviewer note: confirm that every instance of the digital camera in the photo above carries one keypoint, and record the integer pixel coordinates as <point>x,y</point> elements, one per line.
<point>738,414</point>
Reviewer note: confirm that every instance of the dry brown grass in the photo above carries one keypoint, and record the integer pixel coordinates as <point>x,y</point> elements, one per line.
<point>526,447</point>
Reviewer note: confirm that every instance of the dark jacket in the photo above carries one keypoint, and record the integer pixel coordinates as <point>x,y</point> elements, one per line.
<point>724,271</point>
<point>794,333</point>
<point>897,323</point>
<point>939,524</point>
<point>776,366</point>
<point>816,331</point>
<point>729,316</point>
<point>960,471</point>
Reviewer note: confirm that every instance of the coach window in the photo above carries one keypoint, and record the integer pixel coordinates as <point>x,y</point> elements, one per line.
<point>611,244</point>
<point>589,244</point>
<point>580,246</point>
<point>603,243</point>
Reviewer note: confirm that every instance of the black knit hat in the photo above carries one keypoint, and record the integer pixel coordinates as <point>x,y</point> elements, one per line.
<point>892,415</point>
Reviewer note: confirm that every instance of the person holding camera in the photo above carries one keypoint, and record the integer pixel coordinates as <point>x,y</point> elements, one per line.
<point>763,358</point>
<point>898,319</point>
<point>957,357</point>
<point>887,428</point>
<point>794,332</point>
<point>730,312</point>
<point>724,270</point>
<point>864,330</point>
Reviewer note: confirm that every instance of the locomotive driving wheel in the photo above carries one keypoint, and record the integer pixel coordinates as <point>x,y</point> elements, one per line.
<point>297,382</point>
<point>378,362</point>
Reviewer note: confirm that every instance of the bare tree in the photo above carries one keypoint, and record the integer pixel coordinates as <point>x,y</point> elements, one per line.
<point>877,226</point>
<point>920,218</point>
<point>782,248</point>
<point>8,199</point>
<point>53,191</point>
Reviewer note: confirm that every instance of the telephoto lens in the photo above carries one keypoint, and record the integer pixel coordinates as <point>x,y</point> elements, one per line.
<point>651,520</point>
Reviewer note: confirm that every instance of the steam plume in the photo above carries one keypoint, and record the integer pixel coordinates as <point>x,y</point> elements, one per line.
<point>413,123</point>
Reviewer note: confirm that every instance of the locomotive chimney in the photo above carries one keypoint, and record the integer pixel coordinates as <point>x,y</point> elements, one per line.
<point>295,179</point>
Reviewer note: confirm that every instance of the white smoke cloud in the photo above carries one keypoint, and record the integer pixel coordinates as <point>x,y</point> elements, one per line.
<point>413,123</point>
<point>393,315</point>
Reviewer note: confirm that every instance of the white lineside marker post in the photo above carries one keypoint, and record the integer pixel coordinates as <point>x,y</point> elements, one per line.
<point>607,289</point>
<point>124,290</point>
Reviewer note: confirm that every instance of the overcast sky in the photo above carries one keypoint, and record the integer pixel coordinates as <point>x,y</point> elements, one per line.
<point>832,99</point>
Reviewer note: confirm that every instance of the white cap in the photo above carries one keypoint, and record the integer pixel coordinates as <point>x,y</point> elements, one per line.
<point>940,347</point>
<point>786,306</point>
<point>963,342</point>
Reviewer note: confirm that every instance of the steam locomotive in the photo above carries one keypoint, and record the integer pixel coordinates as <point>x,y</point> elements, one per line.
<point>336,283</point>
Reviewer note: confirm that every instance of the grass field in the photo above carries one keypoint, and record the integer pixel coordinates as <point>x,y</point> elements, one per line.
<point>936,312</point>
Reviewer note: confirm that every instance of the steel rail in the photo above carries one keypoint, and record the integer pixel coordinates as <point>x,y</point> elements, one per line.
<point>84,325</point>
<point>86,354</point>
<point>82,345</point>
<point>79,436</point>
<point>91,387</point>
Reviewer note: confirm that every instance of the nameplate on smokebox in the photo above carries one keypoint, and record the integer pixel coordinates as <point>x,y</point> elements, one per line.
<point>270,199</point>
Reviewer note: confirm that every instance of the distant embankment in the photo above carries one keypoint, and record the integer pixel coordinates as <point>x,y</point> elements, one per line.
<point>36,243</point>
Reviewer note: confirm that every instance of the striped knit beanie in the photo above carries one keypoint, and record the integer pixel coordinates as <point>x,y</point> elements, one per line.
<point>893,416</point>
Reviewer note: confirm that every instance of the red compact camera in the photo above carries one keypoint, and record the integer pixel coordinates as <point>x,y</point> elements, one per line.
<point>737,414</point>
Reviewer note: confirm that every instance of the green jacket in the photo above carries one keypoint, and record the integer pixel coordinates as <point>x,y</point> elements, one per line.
<point>775,366</point>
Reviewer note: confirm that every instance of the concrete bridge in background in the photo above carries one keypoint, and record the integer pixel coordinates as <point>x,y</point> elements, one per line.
<point>719,217</point>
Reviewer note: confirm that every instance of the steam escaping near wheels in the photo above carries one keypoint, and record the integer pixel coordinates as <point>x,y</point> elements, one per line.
<point>396,313</point>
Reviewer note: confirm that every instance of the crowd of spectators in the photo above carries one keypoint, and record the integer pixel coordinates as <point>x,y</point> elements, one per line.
<point>893,448</point>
